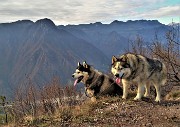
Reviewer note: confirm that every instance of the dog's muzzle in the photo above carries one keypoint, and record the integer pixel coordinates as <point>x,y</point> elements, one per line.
<point>120,75</point>
<point>77,80</point>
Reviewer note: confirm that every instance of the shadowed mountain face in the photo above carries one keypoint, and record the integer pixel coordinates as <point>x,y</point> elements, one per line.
<point>42,50</point>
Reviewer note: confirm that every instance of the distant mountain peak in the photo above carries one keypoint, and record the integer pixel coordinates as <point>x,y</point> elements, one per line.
<point>116,22</point>
<point>155,22</point>
<point>24,21</point>
<point>45,22</point>
<point>20,22</point>
<point>98,23</point>
<point>136,21</point>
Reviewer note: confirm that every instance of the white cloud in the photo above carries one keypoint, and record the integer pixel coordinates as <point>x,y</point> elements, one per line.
<point>164,14</point>
<point>83,11</point>
<point>165,11</point>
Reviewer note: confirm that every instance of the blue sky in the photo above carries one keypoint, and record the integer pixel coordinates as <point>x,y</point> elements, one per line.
<point>85,11</point>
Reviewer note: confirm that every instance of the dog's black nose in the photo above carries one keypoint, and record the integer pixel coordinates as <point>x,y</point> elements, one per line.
<point>73,76</point>
<point>117,75</point>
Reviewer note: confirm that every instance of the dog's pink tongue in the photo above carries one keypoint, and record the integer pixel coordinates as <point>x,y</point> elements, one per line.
<point>118,80</point>
<point>75,82</point>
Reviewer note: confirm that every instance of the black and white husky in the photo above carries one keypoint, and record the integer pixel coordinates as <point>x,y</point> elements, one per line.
<point>140,70</point>
<point>96,83</point>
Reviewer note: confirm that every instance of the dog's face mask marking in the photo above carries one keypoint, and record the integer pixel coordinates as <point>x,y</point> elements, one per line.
<point>115,69</point>
<point>81,72</point>
<point>120,68</point>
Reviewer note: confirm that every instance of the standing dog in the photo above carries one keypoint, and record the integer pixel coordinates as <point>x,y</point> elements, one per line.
<point>96,83</point>
<point>140,70</point>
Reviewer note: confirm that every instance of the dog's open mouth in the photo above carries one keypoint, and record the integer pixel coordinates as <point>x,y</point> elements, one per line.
<point>118,80</point>
<point>119,77</point>
<point>78,80</point>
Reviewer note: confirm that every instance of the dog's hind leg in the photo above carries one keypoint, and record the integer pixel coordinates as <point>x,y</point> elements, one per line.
<point>147,89</point>
<point>139,92</point>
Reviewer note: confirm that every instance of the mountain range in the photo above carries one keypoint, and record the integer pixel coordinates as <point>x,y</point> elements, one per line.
<point>42,50</point>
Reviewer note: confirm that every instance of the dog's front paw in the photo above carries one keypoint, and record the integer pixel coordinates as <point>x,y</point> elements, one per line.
<point>137,98</point>
<point>146,95</point>
<point>89,92</point>
<point>124,97</point>
<point>157,99</point>
<point>93,99</point>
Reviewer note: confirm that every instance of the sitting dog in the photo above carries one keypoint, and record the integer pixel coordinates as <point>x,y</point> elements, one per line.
<point>96,83</point>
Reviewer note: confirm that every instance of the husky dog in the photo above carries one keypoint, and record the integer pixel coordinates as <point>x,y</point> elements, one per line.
<point>96,83</point>
<point>140,70</point>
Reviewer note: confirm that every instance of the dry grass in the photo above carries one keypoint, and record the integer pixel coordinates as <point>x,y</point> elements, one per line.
<point>106,111</point>
<point>110,111</point>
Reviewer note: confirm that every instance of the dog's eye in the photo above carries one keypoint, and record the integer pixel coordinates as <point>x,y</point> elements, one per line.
<point>78,72</point>
<point>120,68</point>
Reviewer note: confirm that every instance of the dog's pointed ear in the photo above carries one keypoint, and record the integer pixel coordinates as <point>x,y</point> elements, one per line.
<point>79,64</point>
<point>124,58</point>
<point>114,59</point>
<point>85,65</point>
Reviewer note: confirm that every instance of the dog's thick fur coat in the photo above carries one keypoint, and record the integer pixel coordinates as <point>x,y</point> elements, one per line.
<point>139,70</point>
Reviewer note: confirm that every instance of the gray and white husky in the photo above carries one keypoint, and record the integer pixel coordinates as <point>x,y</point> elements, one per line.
<point>96,83</point>
<point>140,70</point>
